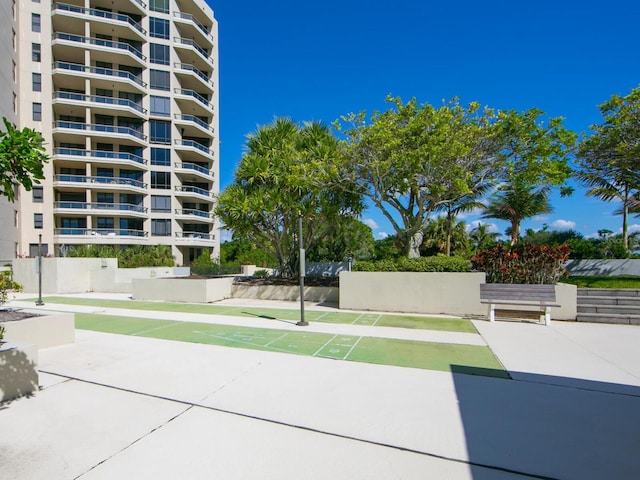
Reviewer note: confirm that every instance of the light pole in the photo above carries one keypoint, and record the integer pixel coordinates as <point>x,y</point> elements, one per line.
<point>302,322</point>
<point>39,302</point>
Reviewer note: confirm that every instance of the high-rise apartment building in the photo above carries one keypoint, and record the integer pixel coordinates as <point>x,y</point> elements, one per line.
<point>125,94</point>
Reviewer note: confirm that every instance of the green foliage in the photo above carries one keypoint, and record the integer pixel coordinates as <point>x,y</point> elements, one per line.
<point>421,264</point>
<point>347,237</point>
<point>279,180</point>
<point>608,160</point>
<point>481,237</point>
<point>445,235</point>
<point>129,257</point>
<point>530,264</point>
<point>261,273</point>
<point>1,333</point>
<point>244,252</point>
<point>6,285</point>
<point>22,158</point>
<point>386,248</point>
<point>604,282</point>
<point>204,260</point>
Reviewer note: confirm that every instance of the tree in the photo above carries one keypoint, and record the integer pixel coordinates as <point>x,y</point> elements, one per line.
<point>348,237</point>
<point>536,160</point>
<point>22,158</point>
<point>609,159</point>
<point>276,183</point>
<point>481,237</point>
<point>411,159</point>
<point>443,235</point>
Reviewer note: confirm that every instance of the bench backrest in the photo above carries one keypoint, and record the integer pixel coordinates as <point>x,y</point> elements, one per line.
<point>511,291</point>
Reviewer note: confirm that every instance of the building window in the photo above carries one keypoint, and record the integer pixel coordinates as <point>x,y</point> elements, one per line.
<point>15,103</point>
<point>37,220</point>
<point>33,249</point>
<point>160,203</point>
<point>158,28</point>
<point>160,227</point>
<point>159,80</point>
<point>105,223</point>
<point>37,111</point>
<point>36,82</point>
<point>160,131</point>
<point>160,156</point>
<point>159,6</point>
<point>35,22</point>
<point>38,194</point>
<point>161,180</point>
<point>159,54</point>
<point>160,106</point>
<point>35,52</point>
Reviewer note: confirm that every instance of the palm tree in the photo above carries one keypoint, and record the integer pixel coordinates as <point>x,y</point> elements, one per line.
<point>517,203</point>
<point>481,237</point>
<point>441,235</point>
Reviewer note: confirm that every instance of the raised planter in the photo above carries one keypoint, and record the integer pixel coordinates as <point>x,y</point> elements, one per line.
<point>44,331</point>
<point>288,293</point>
<point>184,289</point>
<point>18,369</point>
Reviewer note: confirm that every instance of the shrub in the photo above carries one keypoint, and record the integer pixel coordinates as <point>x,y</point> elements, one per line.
<point>421,264</point>
<point>6,285</point>
<point>130,257</point>
<point>533,264</point>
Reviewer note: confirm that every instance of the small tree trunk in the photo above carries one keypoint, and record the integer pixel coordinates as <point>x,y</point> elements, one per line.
<point>413,250</point>
<point>515,232</point>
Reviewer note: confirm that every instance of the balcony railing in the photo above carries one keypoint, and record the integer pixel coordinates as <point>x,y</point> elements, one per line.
<point>79,97</point>
<point>196,190</point>
<point>111,232</point>
<point>130,182</point>
<point>191,68</point>
<point>78,152</point>
<point>100,71</point>
<point>99,42</point>
<point>193,166</point>
<point>192,211</point>
<point>201,235</point>
<point>193,119</point>
<point>126,207</point>
<point>113,17</point>
<point>196,95</point>
<point>190,43</point>
<point>191,18</point>
<point>196,145</point>
<point>100,128</point>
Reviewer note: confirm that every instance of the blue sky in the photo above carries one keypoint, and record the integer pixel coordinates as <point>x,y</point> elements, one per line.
<point>320,60</point>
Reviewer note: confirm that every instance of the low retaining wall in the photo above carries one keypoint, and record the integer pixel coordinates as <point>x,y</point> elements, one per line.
<point>44,331</point>
<point>279,292</point>
<point>18,370</point>
<point>193,290</point>
<point>613,268</point>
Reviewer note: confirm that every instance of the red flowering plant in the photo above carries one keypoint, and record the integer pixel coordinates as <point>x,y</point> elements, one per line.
<point>528,263</point>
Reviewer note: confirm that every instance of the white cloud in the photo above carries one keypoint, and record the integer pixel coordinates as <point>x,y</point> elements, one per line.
<point>631,228</point>
<point>492,227</point>
<point>371,223</point>
<point>563,225</point>
<point>540,219</point>
<point>381,235</point>
<point>471,213</point>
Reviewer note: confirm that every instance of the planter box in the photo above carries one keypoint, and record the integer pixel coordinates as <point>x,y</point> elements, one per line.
<point>288,293</point>
<point>18,369</point>
<point>44,331</point>
<point>193,290</point>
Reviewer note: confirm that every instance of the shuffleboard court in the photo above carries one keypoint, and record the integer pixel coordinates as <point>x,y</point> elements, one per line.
<point>403,353</point>
<point>374,319</point>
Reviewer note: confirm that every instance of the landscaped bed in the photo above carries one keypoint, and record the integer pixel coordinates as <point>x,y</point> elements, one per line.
<point>604,282</point>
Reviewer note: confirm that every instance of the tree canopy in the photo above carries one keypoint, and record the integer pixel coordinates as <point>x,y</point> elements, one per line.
<point>22,158</point>
<point>276,182</point>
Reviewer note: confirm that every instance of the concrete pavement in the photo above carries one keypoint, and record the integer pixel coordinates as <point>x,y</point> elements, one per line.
<point>116,406</point>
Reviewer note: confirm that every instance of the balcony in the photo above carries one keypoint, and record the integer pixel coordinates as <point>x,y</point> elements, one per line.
<point>72,129</point>
<point>194,193</point>
<point>100,183</point>
<point>192,126</point>
<point>121,209</point>
<point>103,77</point>
<point>194,147</point>
<point>194,215</point>
<point>98,157</point>
<point>191,102</point>
<point>193,169</point>
<point>194,238</point>
<point>190,52</point>
<point>191,77</point>
<point>65,45</point>
<point>90,234</point>
<point>191,27</point>
<point>119,25</point>
<point>99,104</point>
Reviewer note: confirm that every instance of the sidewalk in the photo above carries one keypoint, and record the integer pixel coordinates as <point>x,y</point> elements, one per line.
<point>128,407</point>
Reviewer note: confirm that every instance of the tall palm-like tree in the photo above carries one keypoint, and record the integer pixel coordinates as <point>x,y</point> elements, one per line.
<point>517,203</point>
<point>481,237</point>
<point>443,236</point>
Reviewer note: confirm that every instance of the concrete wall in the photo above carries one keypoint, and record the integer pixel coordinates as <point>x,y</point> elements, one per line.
<point>44,331</point>
<point>279,292</point>
<point>587,268</point>
<point>194,290</point>
<point>18,370</point>
<point>446,293</point>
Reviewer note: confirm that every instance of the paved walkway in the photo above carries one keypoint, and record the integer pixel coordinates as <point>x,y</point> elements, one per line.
<point>115,406</point>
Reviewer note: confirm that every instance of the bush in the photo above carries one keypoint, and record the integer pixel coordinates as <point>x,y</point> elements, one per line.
<point>130,257</point>
<point>6,285</point>
<point>532,264</point>
<point>421,264</point>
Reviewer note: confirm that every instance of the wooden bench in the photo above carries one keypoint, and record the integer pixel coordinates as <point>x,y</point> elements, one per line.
<point>541,296</point>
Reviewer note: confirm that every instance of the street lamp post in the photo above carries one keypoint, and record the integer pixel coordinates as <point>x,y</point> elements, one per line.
<point>39,302</point>
<point>302,322</point>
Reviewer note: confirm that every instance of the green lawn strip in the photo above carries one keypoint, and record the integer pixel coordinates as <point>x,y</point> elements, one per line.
<point>389,320</point>
<point>604,282</point>
<point>403,353</point>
